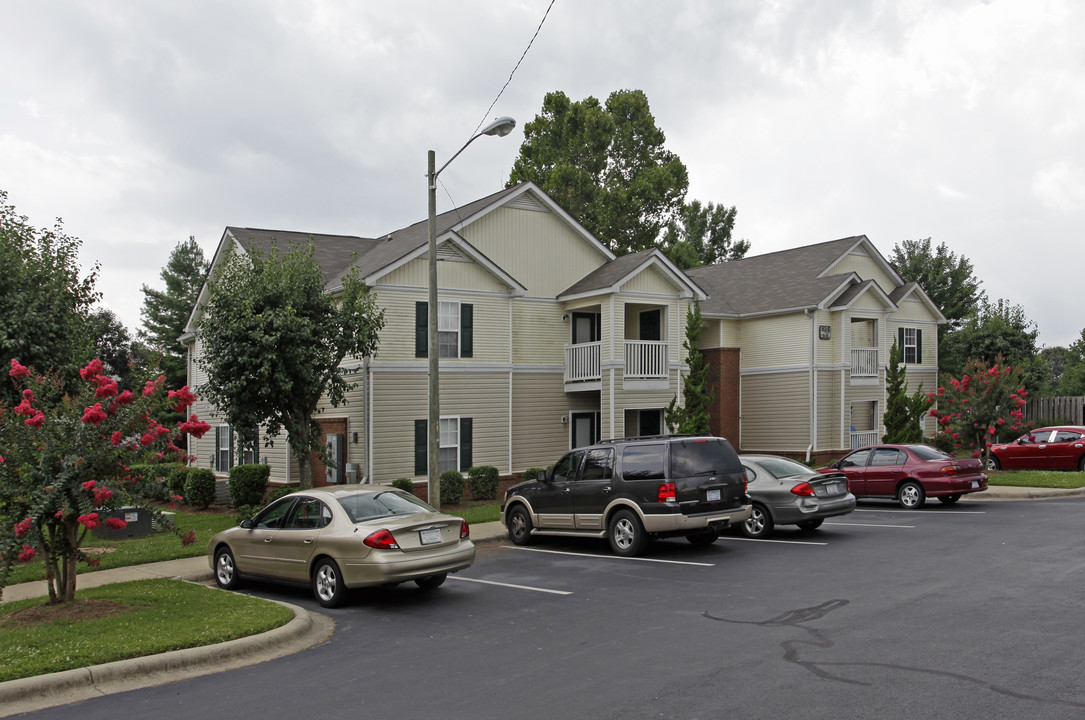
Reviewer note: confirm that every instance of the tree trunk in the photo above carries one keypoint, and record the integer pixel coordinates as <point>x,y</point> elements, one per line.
<point>303,452</point>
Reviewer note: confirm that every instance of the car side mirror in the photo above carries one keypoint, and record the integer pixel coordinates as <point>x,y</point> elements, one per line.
<point>540,476</point>
<point>839,464</point>
<point>1023,441</point>
<point>246,524</point>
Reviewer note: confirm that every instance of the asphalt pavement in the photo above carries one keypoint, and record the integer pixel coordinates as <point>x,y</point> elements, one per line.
<point>305,630</point>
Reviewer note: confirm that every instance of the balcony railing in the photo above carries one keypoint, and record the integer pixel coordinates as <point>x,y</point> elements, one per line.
<point>862,439</point>
<point>582,362</point>
<point>864,362</point>
<point>645,359</point>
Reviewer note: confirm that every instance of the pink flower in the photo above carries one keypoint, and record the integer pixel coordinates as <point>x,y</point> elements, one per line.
<point>27,554</point>
<point>94,562</point>
<point>23,527</point>
<point>89,485</point>
<point>35,421</point>
<point>94,415</point>
<point>93,368</point>
<point>90,520</point>
<point>102,496</point>
<point>194,427</point>
<point>115,523</point>
<point>188,538</point>
<point>147,439</point>
<point>183,397</point>
<point>24,408</point>
<point>107,386</point>
<point>152,386</point>
<point>126,397</point>
<point>17,370</point>
<point>28,395</point>
<point>116,438</point>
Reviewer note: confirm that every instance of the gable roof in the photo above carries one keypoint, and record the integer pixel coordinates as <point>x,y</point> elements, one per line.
<point>608,276</point>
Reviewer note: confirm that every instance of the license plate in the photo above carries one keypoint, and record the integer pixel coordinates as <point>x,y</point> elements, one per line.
<point>828,489</point>
<point>975,483</point>
<point>430,536</point>
<point>713,496</point>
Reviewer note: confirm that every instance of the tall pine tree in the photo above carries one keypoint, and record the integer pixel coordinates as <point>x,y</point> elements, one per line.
<point>693,416</point>
<point>165,312</point>
<point>903,412</point>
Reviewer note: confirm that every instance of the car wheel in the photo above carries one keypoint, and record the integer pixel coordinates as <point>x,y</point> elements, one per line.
<point>328,583</point>
<point>627,536</point>
<point>911,495</point>
<point>432,582</point>
<point>949,499</point>
<point>994,464</point>
<point>759,524</point>
<point>225,570</point>
<point>810,524</point>
<point>519,525</point>
<point>703,538</point>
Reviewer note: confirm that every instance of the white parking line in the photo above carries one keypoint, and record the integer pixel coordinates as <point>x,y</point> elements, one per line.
<point>932,512</point>
<point>785,542</point>
<point>869,525</point>
<point>511,585</point>
<point>610,557</point>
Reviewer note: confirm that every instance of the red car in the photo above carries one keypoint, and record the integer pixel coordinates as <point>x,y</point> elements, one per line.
<point>1060,447</point>
<point>910,473</point>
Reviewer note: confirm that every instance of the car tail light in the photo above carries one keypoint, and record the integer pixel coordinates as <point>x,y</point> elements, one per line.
<point>465,530</point>
<point>668,493</point>
<point>950,469</point>
<point>803,490</point>
<point>381,540</point>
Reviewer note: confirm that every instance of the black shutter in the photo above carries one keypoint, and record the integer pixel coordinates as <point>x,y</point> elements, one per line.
<point>421,330</point>
<point>918,347</point>
<point>467,325</point>
<point>231,447</point>
<point>421,447</point>
<point>900,342</point>
<point>465,444</point>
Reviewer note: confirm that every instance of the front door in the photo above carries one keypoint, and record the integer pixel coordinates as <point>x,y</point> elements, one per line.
<point>585,429</point>
<point>294,544</point>
<point>334,471</point>
<point>885,469</point>
<point>255,549</point>
<point>651,325</point>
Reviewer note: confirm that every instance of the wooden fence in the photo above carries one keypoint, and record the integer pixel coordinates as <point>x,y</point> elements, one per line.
<point>1056,410</point>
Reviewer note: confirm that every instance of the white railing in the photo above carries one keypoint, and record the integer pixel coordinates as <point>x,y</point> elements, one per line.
<point>582,362</point>
<point>862,439</point>
<point>645,358</point>
<point>864,362</point>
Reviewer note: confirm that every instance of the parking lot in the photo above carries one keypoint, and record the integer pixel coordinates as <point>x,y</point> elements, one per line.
<point>971,610</point>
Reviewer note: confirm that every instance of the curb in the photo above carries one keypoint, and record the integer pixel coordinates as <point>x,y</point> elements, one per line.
<point>43,691</point>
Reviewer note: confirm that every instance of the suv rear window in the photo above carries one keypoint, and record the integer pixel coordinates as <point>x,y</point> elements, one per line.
<point>643,462</point>
<point>694,458</point>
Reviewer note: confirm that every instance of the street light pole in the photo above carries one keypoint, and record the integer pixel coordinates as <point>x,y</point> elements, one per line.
<point>500,127</point>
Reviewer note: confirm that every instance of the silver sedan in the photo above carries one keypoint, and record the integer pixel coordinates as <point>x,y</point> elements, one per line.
<point>786,492</point>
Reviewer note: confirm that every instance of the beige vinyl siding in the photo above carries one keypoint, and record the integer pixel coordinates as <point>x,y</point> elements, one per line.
<point>829,422</point>
<point>913,310</point>
<point>491,326</point>
<point>539,335</point>
<point>499,234</point>
<point>456,275</point>
<point>865,267</point>
<point>868,301</point>
<point>650,280</point>
<point>776,341</point>
<point>776,412</point>
<point>539,403</point>
<point>829,351</point>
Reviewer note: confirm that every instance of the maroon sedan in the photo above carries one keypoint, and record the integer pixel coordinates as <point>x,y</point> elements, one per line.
<point>910,473</point>
<point>1059,447</point>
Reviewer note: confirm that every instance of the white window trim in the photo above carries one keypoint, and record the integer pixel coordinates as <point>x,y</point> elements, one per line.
<point>913,345</point>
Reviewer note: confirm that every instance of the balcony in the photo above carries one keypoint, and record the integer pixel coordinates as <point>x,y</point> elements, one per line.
<point>645,359</point>
<point>863,439</point>
<point>864,362</point>
<point>582,362</point>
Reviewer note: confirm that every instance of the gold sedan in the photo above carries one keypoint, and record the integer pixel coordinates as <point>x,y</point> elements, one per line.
<point>342,538</point>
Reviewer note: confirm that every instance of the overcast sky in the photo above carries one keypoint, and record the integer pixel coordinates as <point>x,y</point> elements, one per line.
<point>142,123</point>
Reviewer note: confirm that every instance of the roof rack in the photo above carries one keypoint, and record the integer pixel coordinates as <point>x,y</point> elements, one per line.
<point>654,437</point>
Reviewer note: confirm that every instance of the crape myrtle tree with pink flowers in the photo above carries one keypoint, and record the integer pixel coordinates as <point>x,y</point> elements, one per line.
<point>64,459</point>
<point>974,409</point>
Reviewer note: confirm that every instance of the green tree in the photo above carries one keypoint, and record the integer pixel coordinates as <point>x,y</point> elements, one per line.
<point>903,412</point>
<point>606,165</point>
<point>1054,361</point>
<point>273,341</point>
<point>44,302</point>
<point>693,416</point>
<point>991,331</point>
<point>165,312</point>
<point>947,278</point>
<point>112,345</point>
<point>701,235</point>
<point>1072,381</point>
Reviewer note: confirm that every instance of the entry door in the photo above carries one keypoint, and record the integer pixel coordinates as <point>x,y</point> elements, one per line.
<point>586,327</point>
<point>651,325</point>
<point>585,429</point>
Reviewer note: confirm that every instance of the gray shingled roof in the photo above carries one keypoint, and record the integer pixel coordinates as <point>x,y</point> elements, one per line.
<point>776,281</point>
<point>332,252</point>
<point>608,273</point>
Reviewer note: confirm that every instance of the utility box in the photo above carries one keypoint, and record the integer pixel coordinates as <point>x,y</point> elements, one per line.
<point>354,472</point>
<point>138,523</point>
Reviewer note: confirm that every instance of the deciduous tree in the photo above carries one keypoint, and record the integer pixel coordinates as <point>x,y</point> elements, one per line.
<point>701,235</point>
<point>273,342</point>
<point>991,331</point>
<point>947,278</point>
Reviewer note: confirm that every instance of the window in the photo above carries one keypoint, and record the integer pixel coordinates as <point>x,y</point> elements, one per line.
<point>910,341</point>
<point>309,514</point>
<point>643,462</point>
<point>455,445</point>
<point>1063,436</point>
<point>887,456</point>
<point>224,448</point>
<point>566,468</point>
<point>273,516</point>
<point>598,465</point>
<point>455,329</point>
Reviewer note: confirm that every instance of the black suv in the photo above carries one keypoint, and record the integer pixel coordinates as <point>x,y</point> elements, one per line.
<point>632,490</point>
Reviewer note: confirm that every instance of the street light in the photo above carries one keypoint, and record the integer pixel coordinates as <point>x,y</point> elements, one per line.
<point>500,127</point>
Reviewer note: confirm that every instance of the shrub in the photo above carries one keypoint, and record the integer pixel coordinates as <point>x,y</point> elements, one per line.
<point>247,512</point>
<point>177,479</point>
<point>248,484</point>
<point>482,479</point>
<point>200,487</point>
<point>150,481</point>
<point>452,486</point>
<point>404,484</point>
<point>533,473</point>
<point>277,492</point>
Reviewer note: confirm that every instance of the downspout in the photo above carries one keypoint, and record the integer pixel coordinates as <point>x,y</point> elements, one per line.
<point>367,419</point>
<point>813,381</point>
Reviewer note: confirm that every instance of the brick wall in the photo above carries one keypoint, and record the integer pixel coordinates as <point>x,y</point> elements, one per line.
<point>723,381</point>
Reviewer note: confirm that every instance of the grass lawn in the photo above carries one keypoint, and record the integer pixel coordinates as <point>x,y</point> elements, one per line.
<point>476,511</point>
<point>1037,478</point>
<point>126,620</point>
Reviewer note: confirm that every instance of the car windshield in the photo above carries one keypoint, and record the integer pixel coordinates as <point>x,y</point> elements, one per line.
<point>926,452</point>
<point>367,506</point>
<point>691,458</point>
<point>782,467</point>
